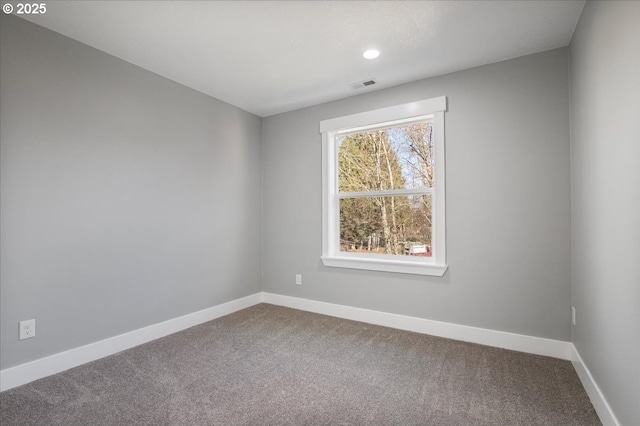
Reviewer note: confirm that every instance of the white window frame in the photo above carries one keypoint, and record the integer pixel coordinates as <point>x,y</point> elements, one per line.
<point>384,117</point>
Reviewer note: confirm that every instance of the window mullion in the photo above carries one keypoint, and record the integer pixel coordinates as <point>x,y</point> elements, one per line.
<point>386,193</point>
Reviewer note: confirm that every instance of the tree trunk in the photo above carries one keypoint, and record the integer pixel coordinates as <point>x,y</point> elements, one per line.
<point>394,236</point>
<point>383,204</point>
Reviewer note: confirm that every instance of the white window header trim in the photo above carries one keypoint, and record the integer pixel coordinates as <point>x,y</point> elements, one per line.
<point>398,112</point>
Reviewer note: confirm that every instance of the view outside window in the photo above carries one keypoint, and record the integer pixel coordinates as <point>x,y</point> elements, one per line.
<point>385,183</point>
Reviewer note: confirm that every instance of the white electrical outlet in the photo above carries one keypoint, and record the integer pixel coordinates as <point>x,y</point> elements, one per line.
<point>573,315</point>
<point>299,279</point>
<point>27,329</point>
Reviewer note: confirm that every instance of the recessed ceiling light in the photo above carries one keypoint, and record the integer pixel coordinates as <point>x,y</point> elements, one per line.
<point>371,54</point>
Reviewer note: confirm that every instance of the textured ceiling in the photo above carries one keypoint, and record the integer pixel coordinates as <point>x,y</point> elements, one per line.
<point>274,56</point>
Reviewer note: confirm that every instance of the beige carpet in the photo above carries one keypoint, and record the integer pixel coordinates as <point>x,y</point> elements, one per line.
<point>269,365</point>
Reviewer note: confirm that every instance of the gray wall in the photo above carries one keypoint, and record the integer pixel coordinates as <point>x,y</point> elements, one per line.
<point>605,153</point>
<point>127,199</point>
<point>508,203</point>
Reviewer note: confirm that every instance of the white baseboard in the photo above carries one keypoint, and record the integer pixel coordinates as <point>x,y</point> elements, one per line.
<point>30,371</point>
<point>598,400</point>
<point>483,336</point>
<point>43,367</point>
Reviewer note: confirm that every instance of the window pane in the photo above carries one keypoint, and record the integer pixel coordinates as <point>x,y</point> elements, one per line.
<point>395,158</point>
<point>398,225</point>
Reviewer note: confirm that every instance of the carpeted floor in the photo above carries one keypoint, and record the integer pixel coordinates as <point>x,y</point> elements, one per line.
<point>269,365</point>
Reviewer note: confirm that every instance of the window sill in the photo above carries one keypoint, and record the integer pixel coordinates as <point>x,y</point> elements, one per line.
<point>385,265</point>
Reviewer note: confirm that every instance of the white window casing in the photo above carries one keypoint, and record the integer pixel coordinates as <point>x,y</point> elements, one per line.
<point>407,113</point>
